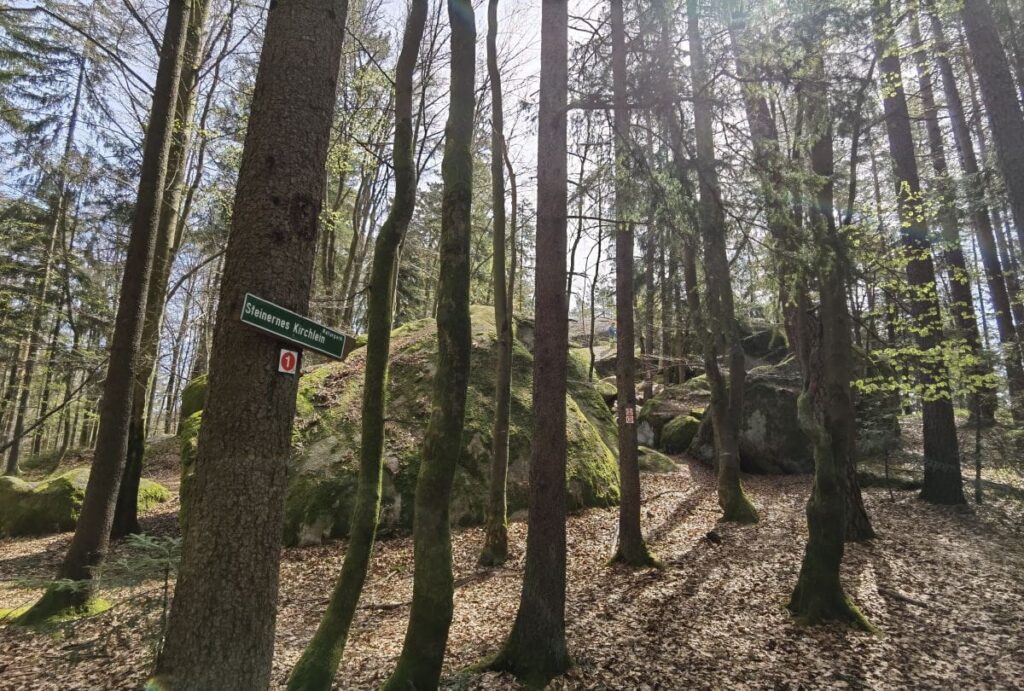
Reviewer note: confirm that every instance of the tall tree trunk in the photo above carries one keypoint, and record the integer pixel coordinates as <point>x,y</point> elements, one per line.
<point>648,341</point>
<point>221,627</point>
<point>667,313</point>
<point>1000,98</point>
<point>495,549</point>
<point>178,346</point>
<point>44,396</point>
<point>1013,39</point>
<point>721,329</point>
<point>58,218</point>
<point>825,406</point>
<point>782,227</point>
<point>92,534</point>
<point>959,278</point>
<point>426,638</point>
<point>126,518</point>
<point>11,393</point>
<point>631,547</point>
<point>943,483</point>
<point>536,650</point>
<point>319,662</point>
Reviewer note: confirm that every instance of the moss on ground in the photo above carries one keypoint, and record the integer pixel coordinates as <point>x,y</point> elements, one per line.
<point>31,615</point>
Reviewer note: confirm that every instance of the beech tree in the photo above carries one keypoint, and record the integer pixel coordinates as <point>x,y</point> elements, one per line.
<point>495,549</point>
<point>943,483</point>
<point>323,654</point>
<point>426,638</point>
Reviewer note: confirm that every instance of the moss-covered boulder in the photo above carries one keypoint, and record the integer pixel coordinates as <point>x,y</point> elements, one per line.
<point>52,505</point>
<point>193,397</point>
<point>322,486</point>
<point>651,461</point>
<point>678,433</point>
<point>608,390</point>
<point>671,402</point>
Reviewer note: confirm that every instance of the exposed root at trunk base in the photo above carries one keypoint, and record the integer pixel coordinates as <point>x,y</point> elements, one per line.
<point>533,670</point>
<point>495,549</point>
<point>738,509</point>
<point>638,558</point>
<point>57,606</point>
<point>822,604</point>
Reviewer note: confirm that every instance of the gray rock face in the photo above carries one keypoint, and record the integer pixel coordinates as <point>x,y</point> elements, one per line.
<point>771,441</point>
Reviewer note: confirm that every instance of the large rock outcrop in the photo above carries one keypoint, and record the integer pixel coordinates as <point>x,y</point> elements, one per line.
<point>322,487</point>
<point>326,435</point>
<point>52,505</point>
<point>771,440</point>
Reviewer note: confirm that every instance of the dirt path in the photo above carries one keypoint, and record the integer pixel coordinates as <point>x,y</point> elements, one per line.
<point>944,586</point>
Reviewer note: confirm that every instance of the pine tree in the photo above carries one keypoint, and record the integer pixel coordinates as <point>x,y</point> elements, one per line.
<point>221,628</point>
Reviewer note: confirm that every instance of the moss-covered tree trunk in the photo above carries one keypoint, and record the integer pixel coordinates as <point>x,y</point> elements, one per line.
<point>221,628</point>
<point>126,512</point>
<point>721,330</point>
<point>319,662</point>
<point>92,533</point>
<point>943,483</point>
<point>426,637</point>
<point>495,549</point>
<point>535,650</point>
<point>825,407</point>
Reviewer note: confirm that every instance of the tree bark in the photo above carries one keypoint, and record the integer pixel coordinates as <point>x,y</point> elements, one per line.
<point>221,627</point>
<point>89,545</point>
<point>631,547</point>
<point>825,406</point>
<point>943,483</point>
<point>999,95</point>
<point>536,650</point>
<point>959,277</point>
<point>495,549</point>
<point>426,638</point>
<point>126,518</point>
<point>721,330</point>
<point>319,662</point>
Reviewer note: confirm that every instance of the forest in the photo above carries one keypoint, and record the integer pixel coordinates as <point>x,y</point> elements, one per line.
<point>511,344</point>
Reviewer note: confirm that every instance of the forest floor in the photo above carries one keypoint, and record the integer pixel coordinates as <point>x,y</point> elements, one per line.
<point>944,587</point>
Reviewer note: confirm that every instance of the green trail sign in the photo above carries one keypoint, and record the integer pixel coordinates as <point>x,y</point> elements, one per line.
<point>292,327</point>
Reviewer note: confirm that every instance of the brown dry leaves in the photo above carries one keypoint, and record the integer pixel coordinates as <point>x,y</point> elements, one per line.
<point>943,585</point>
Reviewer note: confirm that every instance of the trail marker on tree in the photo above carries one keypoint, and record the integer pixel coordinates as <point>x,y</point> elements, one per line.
<point>289,326</point>
<point>288,361</point>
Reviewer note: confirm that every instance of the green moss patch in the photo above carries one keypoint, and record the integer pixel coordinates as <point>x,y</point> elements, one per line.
<point>652,461</point>
<point>321,491</point>
<point>52,505</point>
<point>678,433</point>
